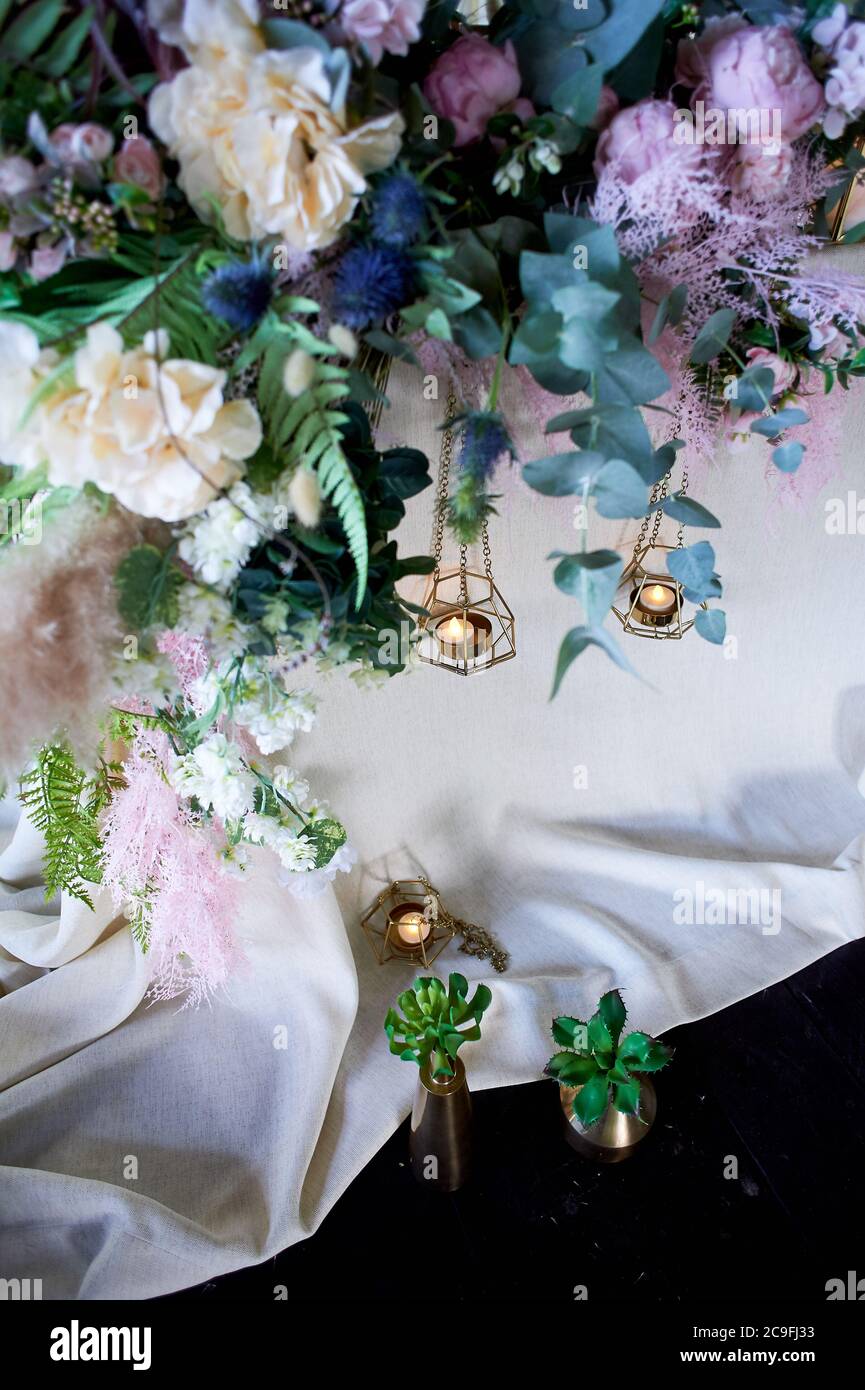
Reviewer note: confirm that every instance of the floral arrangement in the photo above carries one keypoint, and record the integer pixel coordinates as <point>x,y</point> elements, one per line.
<point>222,221</point>
<point>600,1064</point>
<point>436,1021</point>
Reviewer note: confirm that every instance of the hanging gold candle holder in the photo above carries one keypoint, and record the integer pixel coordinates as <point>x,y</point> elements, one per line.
<point>467,626</point>
<point>651,604</point>
<point>652,598</point>
<point>409,922</point>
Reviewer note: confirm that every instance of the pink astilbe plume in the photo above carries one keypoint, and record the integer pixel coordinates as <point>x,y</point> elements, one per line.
<point>163,869</point>
<point>187,654</point>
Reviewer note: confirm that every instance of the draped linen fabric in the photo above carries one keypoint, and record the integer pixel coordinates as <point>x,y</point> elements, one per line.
<point>147,1148</point>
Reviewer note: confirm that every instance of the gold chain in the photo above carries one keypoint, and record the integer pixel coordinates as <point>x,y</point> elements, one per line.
<point>477,941</point>
<point>659,494</point>
<point>445,460</point>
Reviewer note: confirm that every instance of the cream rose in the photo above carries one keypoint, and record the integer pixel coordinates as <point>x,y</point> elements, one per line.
<point>152,431</point>
<point>257,134</point>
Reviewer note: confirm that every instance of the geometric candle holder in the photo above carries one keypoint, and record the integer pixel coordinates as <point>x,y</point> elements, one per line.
<point>467,626</point>
<point>408,922</point>
<point>654,598</point>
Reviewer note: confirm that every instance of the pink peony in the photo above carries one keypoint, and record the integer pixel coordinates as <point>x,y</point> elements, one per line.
<point>761,172</point>
<point>137,163</point>
<point>763,69</point>
<point>8,251</point>
<point>608,105</point>
<point>639,139</point>
<point>470,83</point>
<point>382,26</point>
<point>692,55</point>
<point>783,372</point>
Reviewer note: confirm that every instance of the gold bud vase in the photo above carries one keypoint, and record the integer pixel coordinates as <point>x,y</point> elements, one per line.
<point>441,1129</point>
<point>614,1136</point>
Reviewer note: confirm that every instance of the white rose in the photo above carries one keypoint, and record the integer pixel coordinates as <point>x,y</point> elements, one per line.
<point>258,134</point>
<point>155,433</point>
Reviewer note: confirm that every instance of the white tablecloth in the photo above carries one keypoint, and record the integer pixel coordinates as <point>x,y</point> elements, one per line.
<point>147,1149</point>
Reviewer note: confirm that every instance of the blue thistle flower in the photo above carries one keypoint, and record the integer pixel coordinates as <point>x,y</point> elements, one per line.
<point>398,214</point>
<point>239,293</point>
<point>370,282</point>
<point>484,440</point>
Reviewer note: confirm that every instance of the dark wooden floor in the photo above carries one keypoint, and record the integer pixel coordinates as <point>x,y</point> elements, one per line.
<point>778,1081</point>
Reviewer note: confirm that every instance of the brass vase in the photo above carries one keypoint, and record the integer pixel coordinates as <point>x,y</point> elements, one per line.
<point>614,1136</point>
<point>441,1129</point>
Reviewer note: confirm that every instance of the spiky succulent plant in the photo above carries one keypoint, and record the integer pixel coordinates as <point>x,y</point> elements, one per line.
<point>600,1061</point>
<point>436,1021</point>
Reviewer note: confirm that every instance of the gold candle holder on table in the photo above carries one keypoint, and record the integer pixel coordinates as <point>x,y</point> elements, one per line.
<point>408,921</point>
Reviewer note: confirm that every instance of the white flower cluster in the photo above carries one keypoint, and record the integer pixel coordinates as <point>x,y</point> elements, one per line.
<point>217,544</point>
<point>217,776</point>
<point>294,851</point>
<point>271,714</point>
<point>844,40</point>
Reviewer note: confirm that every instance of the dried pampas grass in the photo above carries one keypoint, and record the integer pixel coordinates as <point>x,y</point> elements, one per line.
<point>60,631</point>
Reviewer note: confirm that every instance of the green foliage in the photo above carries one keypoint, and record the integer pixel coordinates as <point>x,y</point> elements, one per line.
<point>308,430</point>
<point>327,836</point>
<point>148,587</point>
<point>601,1062</point>
<point>384,480</point>
<point>64,805</point>
<point>435,1021</point>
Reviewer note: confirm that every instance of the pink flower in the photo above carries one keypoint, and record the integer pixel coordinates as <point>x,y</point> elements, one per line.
<point>763,69</point>
<point>470,83</point>
<point>692,55</point>
<point>639,139</point>
<point>17,175</point>
<point>382,26</point>
<point>608,105</point>
<point>8,251</point>
<point>45,261</point>
<point>830,29</point>
<point>783,372</point>
<point>137,163</point>
<point>761,172</point>
<point>81,144</point>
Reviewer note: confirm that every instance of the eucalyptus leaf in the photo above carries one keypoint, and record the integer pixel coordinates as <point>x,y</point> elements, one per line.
<point>591,577</point>
<point>693,565</point>
<point>687,511</point>
<point>788,457</point>
<point>619,490</point>
<point>562,475</point>
<point>711,623</point>
<point>713,336</point>
<point>576,642</point>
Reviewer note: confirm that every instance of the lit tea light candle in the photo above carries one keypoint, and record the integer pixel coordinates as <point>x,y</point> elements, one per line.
<point>411,926</point>
<point>462,637</point>
<point>654,603</point>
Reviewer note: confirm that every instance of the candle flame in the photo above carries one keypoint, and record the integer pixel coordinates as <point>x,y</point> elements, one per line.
<point>455,628</point>
<point>658,593</point>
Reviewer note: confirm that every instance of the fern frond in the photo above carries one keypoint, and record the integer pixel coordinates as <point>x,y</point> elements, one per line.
<point>308,427</point>
<point>63,803</point>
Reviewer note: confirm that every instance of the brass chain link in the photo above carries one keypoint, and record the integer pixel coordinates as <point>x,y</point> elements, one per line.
<point>659,494</point>
<point>445,460</point>
<point>477,941</point>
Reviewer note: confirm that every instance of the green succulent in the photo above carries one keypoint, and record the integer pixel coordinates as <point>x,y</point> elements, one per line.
<point>596,1060</point>
<point>432,1028</point>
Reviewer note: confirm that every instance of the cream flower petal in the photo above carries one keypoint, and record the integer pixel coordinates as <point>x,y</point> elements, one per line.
<point>138,422</point>
<point>236,431</point>
<point>376,144</point>
<point>98,362</point>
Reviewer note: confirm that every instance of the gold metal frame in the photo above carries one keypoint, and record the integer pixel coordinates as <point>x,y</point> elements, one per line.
<point>461,594</point>
<point>378,925</point>
<point>634,579</point>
